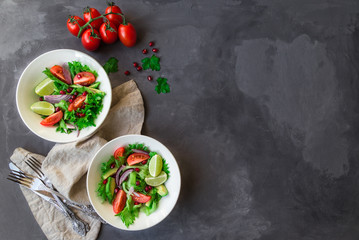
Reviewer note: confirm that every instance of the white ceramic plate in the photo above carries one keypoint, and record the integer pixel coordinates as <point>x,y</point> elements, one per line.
<point>32,75</point>
<point>166,204</point>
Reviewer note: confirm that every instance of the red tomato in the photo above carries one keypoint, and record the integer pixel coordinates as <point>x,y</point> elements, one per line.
<point>84,78</point>
<point>74,23</point>
<point>58,72</point>
<point>93,13</point>
<point>52,119</point>
<point>142,198</point>
<point>90,41</point>
<point>114,18</point>
<point>119,152</point>
<point>77,103</point>
<point>127,34</point>
<point>108,33</point>
<point>119,202</point>
<point>135,158</point>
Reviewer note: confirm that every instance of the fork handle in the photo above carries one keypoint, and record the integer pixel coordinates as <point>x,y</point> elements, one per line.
<point>78,225</point>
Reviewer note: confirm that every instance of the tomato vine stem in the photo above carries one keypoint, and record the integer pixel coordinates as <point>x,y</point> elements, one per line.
<point>93,19</point>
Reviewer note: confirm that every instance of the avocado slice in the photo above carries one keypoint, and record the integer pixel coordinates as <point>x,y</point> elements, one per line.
<point>162,190</point>
<point>110,188</point>
<point>110,172</point>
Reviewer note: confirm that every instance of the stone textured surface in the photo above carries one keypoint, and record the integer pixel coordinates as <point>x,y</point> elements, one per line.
<point>263,114</point>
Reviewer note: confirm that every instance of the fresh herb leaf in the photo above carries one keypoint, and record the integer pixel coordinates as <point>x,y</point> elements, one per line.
<point>111,66</point>
<point>75,67</point>
<point>153,204</point>
<point>101,191</point>
<point>165,167</point>
<point>162,86</point>
<point>152,63</point>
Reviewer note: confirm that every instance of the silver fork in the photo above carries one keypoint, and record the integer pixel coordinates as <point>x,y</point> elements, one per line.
<point>36,185</point>
<point>35,165</point>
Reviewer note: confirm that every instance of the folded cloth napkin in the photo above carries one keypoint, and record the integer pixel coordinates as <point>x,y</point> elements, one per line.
<point>66,164</point>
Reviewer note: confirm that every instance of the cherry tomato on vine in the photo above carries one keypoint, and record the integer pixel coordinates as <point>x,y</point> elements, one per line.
<point>91,41</point>
<point>108,33</point>
<point>127,34</point>
<point>93,12</point>
<point>114,18</point>
<point>74,23</point>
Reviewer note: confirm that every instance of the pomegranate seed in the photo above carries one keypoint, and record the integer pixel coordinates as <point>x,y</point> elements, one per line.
<point>71,100</point>
<point>149,187</point>
<point>73,97</point>
<point>137,183</point>
<point>83,106</point>
<point>144,162</point>
<point>127,73</point>
<point>154,50</point>
<point>76,93</point>
<point>69,90</point>
<point>84,93</point>
<point>78,114</point>
<point>151,44</point>
<point>139,68</point>
<point>112,165</point>
<point>126,179</point>
<point>146,189</point>
<point>149,78</point>
<point>57,109</point>
<point>116,190</point>
<point>136,203</point>
<point>104,181</point>
<point>79,76</point>
<point>62,92</point>
<point>82,115</point>
<point>135,64</point>
<point>145,51</point>
<point>41,99</point>
<point>137,169</point>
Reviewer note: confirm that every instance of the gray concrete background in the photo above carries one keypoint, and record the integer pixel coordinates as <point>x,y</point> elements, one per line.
<point>263,114</point>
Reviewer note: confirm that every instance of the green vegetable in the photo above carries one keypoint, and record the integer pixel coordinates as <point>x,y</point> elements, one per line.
<point>152,205</point>
<point>101,191</point>
<point>59,85</point>
<point>162,190</point>
<point>130,212</point>
<point>109,172</point>
<point>75,67</point>
<point>152,63</point>
<point>110,188</point>
<point>162,86</point>
<point>111,66</point>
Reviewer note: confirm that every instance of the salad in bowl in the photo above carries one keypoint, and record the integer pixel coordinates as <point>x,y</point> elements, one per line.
<point>63,96</point>
<point>133,182</point>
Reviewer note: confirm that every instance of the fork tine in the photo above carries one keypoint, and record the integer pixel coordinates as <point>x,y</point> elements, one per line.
<point>37,162</point>
<point>34,168</point>
<point>19,181</point>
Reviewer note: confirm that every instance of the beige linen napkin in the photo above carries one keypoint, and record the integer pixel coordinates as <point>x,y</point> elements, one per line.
<point>66,164</point>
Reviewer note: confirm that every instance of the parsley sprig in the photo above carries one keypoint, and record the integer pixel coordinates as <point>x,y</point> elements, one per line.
<point>152,63</point>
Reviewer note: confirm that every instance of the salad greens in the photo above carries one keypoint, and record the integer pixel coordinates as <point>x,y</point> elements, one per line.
<point>80,102</point>
<point>136,189</point>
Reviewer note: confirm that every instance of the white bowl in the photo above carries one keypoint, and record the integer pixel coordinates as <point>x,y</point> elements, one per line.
<point>32,75</point>
<point>166,204</point>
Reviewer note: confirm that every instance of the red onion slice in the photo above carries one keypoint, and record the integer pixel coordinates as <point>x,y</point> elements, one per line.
<point>67,74</point>
<point>56,98</point>
<point>139,151</point>
<point>117,176</point>
<point>124,176</point>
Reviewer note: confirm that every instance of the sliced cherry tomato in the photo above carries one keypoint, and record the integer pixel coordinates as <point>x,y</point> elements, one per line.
<point>135,158</point>
<point>77,103</point>
<point>74,23</point>
<point>114,18</point>
<point>91,41</point>
<point>52,119</point>
<point>93,13</point>
<point>119,202</point>
<point>119,152</point>
<point>84,78</point>
<point>141,198</point>
<point>58,72</point>
<point>127,34</point>
<point>108,33</point>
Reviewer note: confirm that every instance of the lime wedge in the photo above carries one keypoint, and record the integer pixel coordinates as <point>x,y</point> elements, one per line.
<point>46,87</point>
<point>156,181</point>
<point>155,165</point>
<point>43,108</point>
